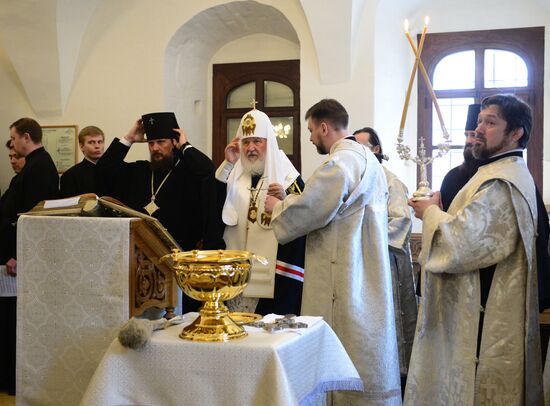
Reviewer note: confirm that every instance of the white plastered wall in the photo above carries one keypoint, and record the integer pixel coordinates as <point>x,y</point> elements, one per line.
<point>120,72</point>
<point>445,16</point>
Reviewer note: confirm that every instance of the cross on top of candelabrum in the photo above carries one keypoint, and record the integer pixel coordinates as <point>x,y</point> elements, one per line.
<point>404,151</point>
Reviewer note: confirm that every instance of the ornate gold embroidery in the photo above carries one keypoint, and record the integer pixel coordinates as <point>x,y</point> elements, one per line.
<point>266,219</point>
<point>294,189</point>
<point>249,125</point>
<point>253,206</point>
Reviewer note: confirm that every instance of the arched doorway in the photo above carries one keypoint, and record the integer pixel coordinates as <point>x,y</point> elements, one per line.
<point>190,51</point>
<point>275,85</point>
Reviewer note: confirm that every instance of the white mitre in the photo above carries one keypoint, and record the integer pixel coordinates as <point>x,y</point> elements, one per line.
<point>278,168</point>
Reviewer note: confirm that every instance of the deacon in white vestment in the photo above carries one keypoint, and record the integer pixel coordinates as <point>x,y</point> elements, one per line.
<point>399,235</point>
<point>343,211</point>
<point>254,167</point>
<point>477,340</point>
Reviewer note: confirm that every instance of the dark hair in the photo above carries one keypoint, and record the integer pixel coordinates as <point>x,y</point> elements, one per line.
<point>374,139</point>
<point>329,110</point>
<point>90,130</point>
<point>30,126</point>
<point>515,112</point>
<point>9,144</point>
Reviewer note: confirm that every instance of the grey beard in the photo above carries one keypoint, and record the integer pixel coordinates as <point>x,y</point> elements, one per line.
<point>253,168</point>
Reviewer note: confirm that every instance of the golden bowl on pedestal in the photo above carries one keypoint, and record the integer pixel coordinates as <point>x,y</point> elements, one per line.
<point>212,277</point>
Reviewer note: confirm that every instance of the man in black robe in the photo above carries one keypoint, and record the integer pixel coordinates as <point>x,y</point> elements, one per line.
<point>17,163</point>
<point>81,178</point>
<point>176,186</point>
<point>8,304</point>
<point>457,177</point>
<point>37,180</point>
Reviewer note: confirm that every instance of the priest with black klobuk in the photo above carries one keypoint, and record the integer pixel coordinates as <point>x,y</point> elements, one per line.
<point>176,186</point>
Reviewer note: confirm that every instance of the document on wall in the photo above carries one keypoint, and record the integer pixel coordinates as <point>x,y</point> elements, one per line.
<point>8,284</point>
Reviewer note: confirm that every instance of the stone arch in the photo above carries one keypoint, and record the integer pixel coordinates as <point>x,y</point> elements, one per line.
<point>191,48</point>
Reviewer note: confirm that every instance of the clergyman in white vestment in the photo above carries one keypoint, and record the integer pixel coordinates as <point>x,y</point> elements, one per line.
<point>399,236</point>
<point>343,211</point>
<point>254,167</point>
<point>477,340</point>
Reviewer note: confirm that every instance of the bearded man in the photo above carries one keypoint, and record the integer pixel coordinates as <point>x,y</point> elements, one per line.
<point>477,338</point>
<point>176,186</point>
<point>254,167</point>
<point>457,177</point>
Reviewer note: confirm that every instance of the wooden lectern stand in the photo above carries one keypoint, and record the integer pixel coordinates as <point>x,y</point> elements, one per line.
<point>79,280</point>
<point>151,284</point>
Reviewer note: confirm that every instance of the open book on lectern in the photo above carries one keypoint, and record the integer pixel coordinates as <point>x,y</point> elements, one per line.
<point>90,205</point>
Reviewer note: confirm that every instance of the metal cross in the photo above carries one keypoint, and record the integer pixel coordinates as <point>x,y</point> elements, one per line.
<point>283,323</point>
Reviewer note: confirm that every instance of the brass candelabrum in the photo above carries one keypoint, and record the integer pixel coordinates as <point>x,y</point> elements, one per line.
<point>404,151</point>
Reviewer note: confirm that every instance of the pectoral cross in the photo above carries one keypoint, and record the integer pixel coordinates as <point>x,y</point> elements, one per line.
<point>151,207</point>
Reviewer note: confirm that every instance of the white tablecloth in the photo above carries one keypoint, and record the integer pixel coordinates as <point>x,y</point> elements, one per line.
<point>261,369</point>
<point>72,297</point>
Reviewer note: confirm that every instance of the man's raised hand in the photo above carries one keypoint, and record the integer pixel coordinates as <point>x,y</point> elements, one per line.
<point>136,133</point>
<point>233,150</point>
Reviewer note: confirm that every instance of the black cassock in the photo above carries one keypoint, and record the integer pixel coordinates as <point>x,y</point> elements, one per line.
<point>79,179</point>
<point>186,200</point>
<point>37,181</point>
<point>8,313</point>
<point>455,180</point>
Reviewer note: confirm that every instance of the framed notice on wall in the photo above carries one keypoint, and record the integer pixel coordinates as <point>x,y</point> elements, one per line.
<point>61,142</point>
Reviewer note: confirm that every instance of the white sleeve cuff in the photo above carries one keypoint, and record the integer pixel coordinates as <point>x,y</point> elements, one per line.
<point>185,148</point>
<point>125,142</point>
<point>224,170</point>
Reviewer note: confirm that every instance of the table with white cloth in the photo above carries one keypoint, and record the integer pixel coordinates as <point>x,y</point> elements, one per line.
<point>282,368</point>
<point>72,297</point>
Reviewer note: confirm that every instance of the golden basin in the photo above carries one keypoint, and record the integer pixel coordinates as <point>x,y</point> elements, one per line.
<point>212,277</point>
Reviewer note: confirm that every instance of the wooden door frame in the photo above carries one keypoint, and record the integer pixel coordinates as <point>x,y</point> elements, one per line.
<point>228,76</point>
<point>523,41</point>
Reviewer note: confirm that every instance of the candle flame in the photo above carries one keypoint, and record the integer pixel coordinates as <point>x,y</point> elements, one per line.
<point>426,20</point>
<point>406,25</point>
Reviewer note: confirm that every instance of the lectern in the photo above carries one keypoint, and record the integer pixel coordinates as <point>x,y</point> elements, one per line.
<point>79,279</point>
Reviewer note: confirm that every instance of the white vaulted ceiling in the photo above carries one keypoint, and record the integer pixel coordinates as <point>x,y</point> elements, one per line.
<point>42,39</point>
